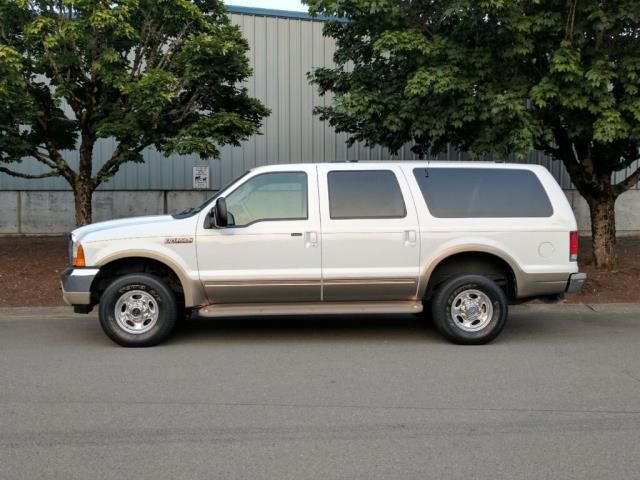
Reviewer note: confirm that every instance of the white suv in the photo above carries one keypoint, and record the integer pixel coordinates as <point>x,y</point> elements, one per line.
<point>463,239</point>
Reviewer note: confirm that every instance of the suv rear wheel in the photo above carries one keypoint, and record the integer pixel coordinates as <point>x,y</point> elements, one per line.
<point>469,309</point>
<point>138,310</point>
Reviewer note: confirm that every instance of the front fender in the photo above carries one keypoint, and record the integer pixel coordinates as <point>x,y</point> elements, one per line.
<point>181,258</point>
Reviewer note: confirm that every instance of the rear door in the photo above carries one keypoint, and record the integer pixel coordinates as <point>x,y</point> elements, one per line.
<point>370,248</point>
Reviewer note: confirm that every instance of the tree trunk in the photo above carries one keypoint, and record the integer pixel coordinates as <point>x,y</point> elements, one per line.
<point>82,194</point>
<point>603,230</point>
<point>84,186</point>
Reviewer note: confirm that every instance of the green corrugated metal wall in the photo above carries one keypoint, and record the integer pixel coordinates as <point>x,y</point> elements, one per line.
<point>284,47</point>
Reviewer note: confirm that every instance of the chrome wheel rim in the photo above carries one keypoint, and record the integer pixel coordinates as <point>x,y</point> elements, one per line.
<point>471,310</point>
<point>136,312</point>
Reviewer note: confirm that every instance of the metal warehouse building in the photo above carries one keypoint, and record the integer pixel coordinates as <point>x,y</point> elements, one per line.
<point>284,46</point>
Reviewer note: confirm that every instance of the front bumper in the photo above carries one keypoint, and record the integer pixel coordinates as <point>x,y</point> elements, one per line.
<point>76,285</point>
<point>576,281</point>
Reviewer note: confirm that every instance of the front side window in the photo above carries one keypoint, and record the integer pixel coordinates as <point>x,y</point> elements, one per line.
<point>364,194</point>
<point>270,196</point>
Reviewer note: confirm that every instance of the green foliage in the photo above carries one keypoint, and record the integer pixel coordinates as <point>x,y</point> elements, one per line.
<point>499,76</point>
<point>167,73</point>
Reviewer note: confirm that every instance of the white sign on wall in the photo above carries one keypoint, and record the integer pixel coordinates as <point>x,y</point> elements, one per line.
<point>201,178</point>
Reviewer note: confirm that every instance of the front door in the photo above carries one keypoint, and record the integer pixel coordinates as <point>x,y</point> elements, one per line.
<point>270,251</point>
<point>370,247</point>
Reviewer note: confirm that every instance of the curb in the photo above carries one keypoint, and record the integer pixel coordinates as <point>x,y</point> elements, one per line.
<point>39,313</point>
<point>62,313</point>
<point>581,308</point>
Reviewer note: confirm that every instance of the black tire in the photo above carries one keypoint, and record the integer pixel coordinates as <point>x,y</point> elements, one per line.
<point>459,329</point>
<point>165,305</point>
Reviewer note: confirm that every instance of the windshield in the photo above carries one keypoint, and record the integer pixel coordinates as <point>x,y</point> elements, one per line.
<point>195,210</point>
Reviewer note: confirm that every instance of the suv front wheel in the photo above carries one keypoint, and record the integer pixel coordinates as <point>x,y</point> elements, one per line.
<point>138,310</point>
<point>469,309</point>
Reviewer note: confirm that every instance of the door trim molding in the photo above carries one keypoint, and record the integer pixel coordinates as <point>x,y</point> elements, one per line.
<point>260,283</point>
<point>372,281</point>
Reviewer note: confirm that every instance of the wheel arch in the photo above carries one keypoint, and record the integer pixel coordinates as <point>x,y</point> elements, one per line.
<point>471,259</point>
<point>146,262</point>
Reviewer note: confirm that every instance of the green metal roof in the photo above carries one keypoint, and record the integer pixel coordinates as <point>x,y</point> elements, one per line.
<point>268,12</point>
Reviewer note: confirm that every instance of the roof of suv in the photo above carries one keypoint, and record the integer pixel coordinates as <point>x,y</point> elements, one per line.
<point>416,163</point>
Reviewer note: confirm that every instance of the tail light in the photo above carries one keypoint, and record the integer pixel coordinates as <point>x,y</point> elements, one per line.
<point>573,246</point>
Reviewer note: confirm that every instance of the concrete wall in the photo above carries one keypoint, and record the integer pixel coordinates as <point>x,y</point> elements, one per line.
<point>9,213</point>
<point>627,212</point>
<point>52,212</point>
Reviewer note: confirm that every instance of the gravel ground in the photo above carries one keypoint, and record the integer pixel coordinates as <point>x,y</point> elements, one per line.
<point>30,270</point>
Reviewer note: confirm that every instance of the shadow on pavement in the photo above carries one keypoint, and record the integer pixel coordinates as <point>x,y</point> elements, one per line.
<point>525,326</point>
<point>522,327</point>
<point>308,328</point>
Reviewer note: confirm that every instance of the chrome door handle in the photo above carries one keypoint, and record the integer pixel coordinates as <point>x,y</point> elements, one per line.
<point>310,239</point>
<point>410,238</point>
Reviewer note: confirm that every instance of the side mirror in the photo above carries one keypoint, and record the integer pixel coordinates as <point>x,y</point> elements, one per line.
<point>218,217</point>
<point>221,214</point>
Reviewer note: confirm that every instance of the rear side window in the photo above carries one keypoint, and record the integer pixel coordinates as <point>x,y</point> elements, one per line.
<point>365,194</point>
<point>482,193</point>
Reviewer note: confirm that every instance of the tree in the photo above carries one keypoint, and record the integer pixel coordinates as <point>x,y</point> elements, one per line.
<point>495,76</point>
<point>163,73</point>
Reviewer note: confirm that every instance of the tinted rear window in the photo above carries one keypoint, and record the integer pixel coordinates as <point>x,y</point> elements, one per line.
<point>365,194</point>
<point>482,193</point>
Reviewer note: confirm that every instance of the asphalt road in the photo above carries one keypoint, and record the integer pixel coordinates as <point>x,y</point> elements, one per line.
<point>557,396</point>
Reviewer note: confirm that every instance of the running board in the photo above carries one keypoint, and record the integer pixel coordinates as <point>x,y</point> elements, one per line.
<point>325,308</point>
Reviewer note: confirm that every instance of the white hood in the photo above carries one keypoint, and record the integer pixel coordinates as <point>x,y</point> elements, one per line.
<point>124,227</point>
